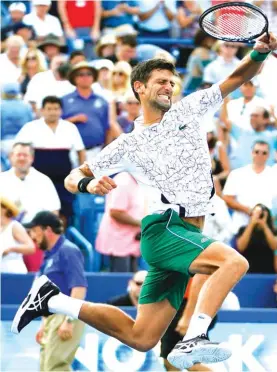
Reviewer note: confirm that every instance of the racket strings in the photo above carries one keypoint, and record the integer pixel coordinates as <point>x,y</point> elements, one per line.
<point>237,23</point>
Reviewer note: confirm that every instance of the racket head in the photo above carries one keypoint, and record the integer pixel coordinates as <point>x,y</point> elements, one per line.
<point>234,21</point>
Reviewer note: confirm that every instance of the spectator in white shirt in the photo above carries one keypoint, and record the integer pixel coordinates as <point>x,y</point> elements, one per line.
<point>42,22</point>
<point>10,60</point>
<point>29,189</point>
<point>268,79</point>
<point>223,65</point>
<point>47,83</point>
<point>53,140</point>
<point>247,186</point>
<point>239,110</point>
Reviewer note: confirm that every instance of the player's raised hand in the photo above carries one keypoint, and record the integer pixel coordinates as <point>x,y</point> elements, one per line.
<point>265,45</point>
<point>101,186</point>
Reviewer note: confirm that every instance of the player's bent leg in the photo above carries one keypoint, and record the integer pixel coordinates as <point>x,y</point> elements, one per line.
<point>142,334</point>
<point>226,267</point>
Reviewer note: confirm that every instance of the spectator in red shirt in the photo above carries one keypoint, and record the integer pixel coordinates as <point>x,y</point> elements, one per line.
<point>81,19</point>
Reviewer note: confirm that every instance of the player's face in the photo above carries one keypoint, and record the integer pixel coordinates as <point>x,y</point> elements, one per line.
<point>159,89</point>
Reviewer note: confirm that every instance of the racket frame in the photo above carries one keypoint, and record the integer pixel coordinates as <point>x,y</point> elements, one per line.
<point>234,4</point>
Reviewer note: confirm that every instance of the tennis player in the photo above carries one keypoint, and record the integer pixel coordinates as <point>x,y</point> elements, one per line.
<point>168,155</point>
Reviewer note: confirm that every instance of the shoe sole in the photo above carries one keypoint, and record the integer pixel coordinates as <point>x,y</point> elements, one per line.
<point>207,354</point>
<point>33,292</point>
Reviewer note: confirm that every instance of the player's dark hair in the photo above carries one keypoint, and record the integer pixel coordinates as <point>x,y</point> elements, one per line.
<point>52,99</point>
<point>142,71</point>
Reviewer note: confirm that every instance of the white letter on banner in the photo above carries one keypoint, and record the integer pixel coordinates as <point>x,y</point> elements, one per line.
<point>88,356</point>
<point>244,353</point>
<point>133,363</point>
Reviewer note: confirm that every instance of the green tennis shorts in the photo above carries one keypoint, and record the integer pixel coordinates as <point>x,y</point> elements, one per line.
<point>169,245</point>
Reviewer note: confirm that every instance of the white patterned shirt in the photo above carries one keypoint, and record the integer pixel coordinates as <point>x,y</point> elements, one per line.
<point>170,159</point>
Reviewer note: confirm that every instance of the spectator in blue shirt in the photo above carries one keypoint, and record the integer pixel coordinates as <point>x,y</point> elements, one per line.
<point>14,114</point>
<point>88,111</point>
<point>117,12</point>
<point>59,335</point>
<point>245,138</point>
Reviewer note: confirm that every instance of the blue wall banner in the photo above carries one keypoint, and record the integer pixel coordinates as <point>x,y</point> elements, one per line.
<point>254,349</point>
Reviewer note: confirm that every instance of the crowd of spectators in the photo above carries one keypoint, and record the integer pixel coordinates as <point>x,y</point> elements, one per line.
<point>66,93</point>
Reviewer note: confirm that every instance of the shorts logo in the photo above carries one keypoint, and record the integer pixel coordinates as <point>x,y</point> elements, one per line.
<point>203,240</point>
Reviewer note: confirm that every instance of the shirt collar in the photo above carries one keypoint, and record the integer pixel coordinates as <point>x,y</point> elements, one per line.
<point>77,94</point>
<point>58,244</point>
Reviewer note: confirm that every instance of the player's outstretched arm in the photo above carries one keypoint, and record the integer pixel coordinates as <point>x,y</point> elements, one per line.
<point>250,65</point>
<point>82,180</point>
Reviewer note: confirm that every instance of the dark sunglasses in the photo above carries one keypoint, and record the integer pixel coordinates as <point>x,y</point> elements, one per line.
<point>138,283</point>
<point>260,152</point>
<point>84,74</point>
<point>120,73</point>
<point>31,58</point>
<point>132,103</point>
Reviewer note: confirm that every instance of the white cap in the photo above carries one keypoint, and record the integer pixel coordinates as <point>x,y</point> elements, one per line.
<point>17,6</point>
<point>41,2</point>
<point>102,63</point>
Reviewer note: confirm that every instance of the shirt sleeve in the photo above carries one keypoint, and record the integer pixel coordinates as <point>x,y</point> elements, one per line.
<point>74,267</point>
<point>202,103</point>
<point>208,74</point>
<point>25,134</point>
<point>111,159</point>
<point>58,31</point>
<point>77,141</point>
<point>230,185</point>
<point>51,200</point>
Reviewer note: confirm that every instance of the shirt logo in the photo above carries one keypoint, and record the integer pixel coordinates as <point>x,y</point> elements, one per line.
<point>181,127</point>
<point>203,240</point>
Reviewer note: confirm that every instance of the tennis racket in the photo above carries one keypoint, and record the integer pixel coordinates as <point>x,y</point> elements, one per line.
<point>234,21</point>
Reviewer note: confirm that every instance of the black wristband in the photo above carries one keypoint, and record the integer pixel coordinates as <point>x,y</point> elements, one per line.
<point>82,185</point>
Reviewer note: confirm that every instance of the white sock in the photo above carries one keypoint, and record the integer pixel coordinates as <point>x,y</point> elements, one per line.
<point>62,304</point>
<point>198,325</point>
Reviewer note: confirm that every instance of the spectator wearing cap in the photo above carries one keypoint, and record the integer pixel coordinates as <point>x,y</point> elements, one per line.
<point>76,56</point>
<point>87,110</point>
<point>10,60</point>
<point>81,18</point>
<point>31,65</point>
<point>105,47</point>
<point>156,18</point>
<point>42,22</point>
<point>131,111</point>
<point>16,13</point>
<point>120,225</point>
<point>51,46</point>
<point>125,50</point>
<point>245,138</point>
<point>239,110</point>
<point>249,185</point>
<point>59,335</point>
<point>46,83</point>
<point>53,140</point>
<point>15,242</point>
<point>15,113</point>
<point>116,13</point>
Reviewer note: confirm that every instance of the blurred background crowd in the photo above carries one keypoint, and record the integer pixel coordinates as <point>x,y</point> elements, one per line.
<point>65,86</point>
